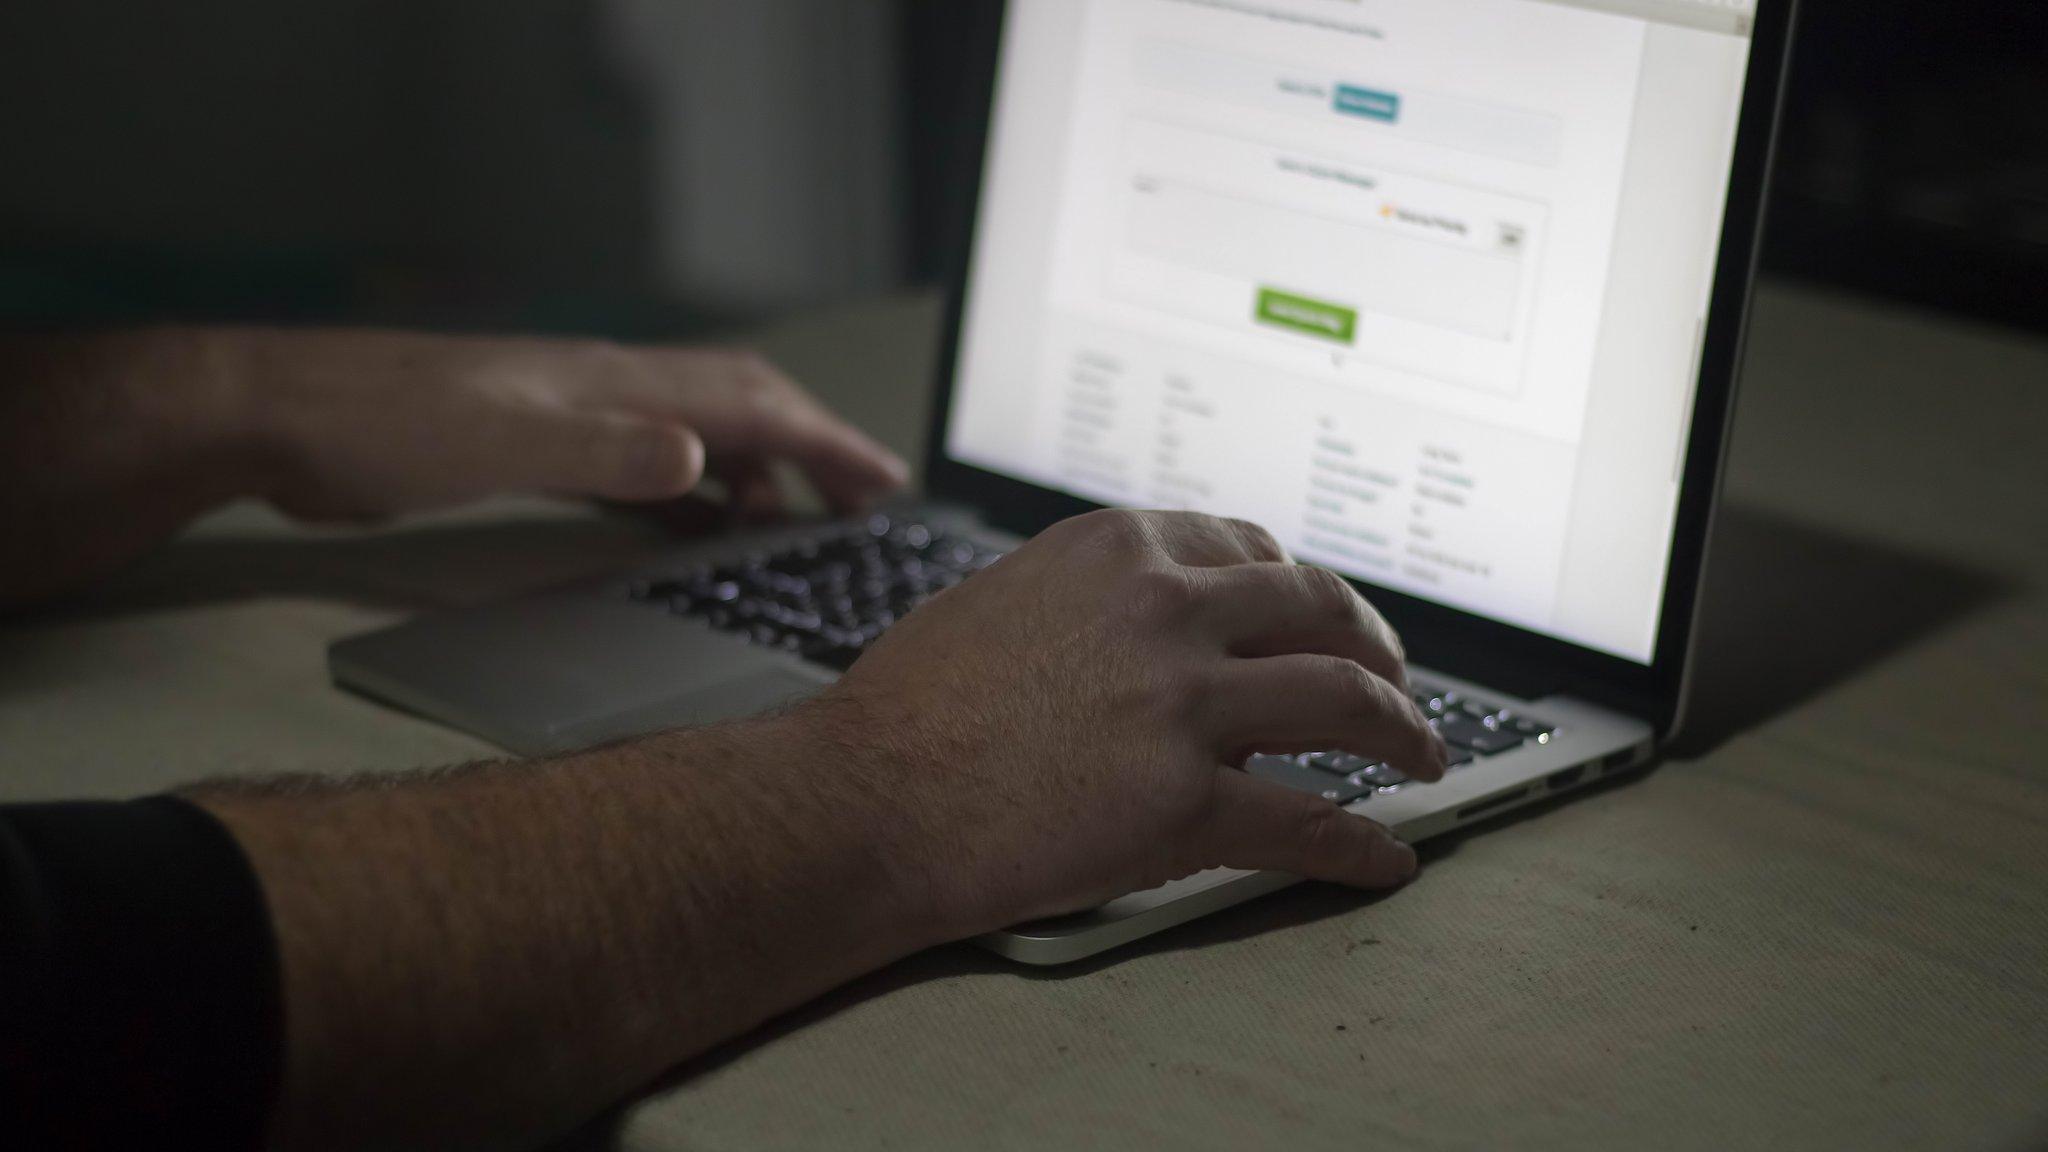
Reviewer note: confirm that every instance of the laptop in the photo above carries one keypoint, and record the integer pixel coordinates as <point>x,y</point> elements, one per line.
<point>1447,294</point>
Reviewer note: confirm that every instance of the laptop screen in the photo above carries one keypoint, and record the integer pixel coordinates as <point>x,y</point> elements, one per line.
<point>1416,284</point>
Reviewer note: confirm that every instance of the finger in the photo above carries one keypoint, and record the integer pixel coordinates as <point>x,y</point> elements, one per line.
<point>848,469</point>
<point>1260,825</point>
<point>1311,703</point>
<point>1277,609</point>
<point>751,491</point>
<point>754,410</point>
<point>608,455</point>
<point>1201,541</point>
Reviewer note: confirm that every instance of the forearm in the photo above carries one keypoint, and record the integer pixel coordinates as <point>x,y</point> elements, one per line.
<point>110,443</point>
<point>501,952</point>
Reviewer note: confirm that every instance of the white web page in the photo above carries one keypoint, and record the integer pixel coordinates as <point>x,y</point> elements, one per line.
<point>1355,271</point>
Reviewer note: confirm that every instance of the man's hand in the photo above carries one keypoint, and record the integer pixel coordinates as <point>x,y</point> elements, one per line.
<point>110,443</point>
<point>1068,725</point>
<point>364,425</point>
<point>493,954</point>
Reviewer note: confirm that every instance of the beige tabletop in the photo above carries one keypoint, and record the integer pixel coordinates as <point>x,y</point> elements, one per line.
<point>1821,922</point>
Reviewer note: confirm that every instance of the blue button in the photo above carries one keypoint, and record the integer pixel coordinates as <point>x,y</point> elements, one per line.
<point>1355,101</point>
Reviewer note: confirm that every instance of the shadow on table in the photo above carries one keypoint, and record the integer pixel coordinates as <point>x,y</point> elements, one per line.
<point>1302,904</point>
<point>1789,610</point>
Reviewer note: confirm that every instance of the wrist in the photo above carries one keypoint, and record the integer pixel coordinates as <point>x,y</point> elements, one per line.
<point>894,849</point>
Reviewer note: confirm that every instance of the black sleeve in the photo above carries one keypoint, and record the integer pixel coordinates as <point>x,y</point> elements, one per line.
<point>139,999</point>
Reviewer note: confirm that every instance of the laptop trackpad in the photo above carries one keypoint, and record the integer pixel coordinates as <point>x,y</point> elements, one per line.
<point>725,700</point>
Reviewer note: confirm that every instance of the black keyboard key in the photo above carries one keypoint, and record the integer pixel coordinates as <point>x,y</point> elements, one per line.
<point>1381,776</point>
<point>1460,731</point>
<point>798,561</point>
<point>1479,711</point>
<point>954,554</point>
<point>1339,763</point>
<point>826,598</point>
<point>1286,770</point>
<point>1436,703</point>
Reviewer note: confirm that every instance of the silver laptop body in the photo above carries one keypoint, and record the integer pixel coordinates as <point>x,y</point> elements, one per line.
<point>1344,268</point>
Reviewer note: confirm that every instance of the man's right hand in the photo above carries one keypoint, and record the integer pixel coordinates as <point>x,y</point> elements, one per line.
<point>491,954</point>
<point>1068,725</point>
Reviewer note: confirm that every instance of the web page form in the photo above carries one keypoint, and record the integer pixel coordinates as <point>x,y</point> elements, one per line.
<point>1348,270</point>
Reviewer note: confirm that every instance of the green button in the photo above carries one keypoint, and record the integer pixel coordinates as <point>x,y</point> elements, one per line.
<point>1301,314</point>
<point>1351,100</point>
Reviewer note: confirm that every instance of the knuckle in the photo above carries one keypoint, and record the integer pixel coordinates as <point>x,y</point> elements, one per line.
<point>604,357</point>
<point>1351,681</point>
<point>1121,521</point>
<point>1158,596</point>
<point>1337,600</point>
<point>754,371</point>
<point>1331,593</point>
<point>1319,832</point>
<point>1255,536</point>
<point>589,347</point>
<point>1118,529</point>
<point>1215,527</point>
<point>1391,638</point>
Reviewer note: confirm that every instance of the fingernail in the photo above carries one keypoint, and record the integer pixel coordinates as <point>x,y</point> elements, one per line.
<point>655,463</point>
<point>1409,863</point>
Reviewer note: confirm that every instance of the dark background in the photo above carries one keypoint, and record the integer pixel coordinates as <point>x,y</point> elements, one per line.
<point>667,167</point>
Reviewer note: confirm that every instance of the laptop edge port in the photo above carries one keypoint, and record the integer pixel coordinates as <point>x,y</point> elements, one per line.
<point>1485,806</point>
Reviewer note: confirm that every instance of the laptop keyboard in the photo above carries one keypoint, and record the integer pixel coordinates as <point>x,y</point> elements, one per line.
<point>829,597</point>
<point>1475,730</point>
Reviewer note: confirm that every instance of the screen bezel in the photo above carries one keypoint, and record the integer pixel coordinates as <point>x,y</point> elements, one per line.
<point>1457,642</point>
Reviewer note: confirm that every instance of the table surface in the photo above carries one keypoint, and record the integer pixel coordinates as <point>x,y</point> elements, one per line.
<point>1820,922</point>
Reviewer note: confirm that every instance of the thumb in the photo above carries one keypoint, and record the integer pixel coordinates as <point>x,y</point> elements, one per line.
<point>610,455</point>
<point>1262,825</point>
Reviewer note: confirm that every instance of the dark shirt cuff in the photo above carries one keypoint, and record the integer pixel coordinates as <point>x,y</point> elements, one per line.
<point>139,993</point>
